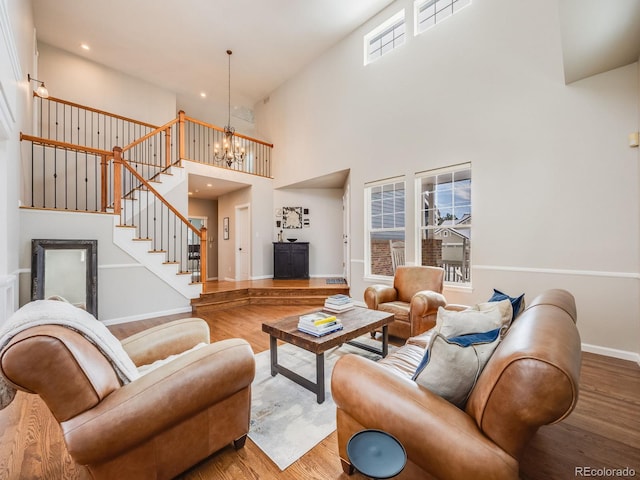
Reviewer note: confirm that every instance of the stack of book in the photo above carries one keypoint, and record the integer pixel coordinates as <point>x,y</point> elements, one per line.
<point>319,323</point>
<point>338,303</point>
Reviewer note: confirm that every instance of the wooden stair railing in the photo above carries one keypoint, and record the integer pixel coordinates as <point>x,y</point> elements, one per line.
<point>71,122</point>
<point>158,221</point>
<point>199,141</point>
<point>66,176</point>
<point>75,166</point>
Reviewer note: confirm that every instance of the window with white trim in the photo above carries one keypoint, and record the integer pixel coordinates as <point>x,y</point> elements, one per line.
<point>429,12</point>
<point>384,38</point>
<point>444,206</point>
<point>385,226</point>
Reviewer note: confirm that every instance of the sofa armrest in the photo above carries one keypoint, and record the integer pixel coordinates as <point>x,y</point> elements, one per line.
<point>423,310</point>
<point>438,437</point>
<point>377,294</point>
<point>171,338</point>
<point>160,400</point>
<point>456,307</point>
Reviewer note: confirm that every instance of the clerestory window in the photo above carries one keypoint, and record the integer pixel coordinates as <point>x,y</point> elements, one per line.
<point>427,13</point>
<point>384,38</point>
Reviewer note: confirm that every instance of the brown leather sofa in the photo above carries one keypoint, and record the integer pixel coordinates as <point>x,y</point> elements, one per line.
<point>531,380</point>
<point>158,425</point>
<point>414,299</point>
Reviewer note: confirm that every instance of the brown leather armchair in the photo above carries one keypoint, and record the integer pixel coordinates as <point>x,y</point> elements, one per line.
<point>414,299</point>
<point>154,427</point>
<point>531,380</point>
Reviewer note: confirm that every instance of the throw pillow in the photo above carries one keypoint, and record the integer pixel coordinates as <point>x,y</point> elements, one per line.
<point>451,366</point>
<point>505,307</point>
<point>516,302</point>
<point>452,323</point>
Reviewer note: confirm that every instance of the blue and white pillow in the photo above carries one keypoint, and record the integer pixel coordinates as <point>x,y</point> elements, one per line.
<point>451,366</point>
<point>516,302</point>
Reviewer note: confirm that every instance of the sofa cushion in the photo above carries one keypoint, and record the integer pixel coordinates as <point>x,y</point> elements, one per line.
<point>481,318</point>
<point>451,366</point>
<point>404,361</point>
<point>517,303</point>
<point>400,310</point>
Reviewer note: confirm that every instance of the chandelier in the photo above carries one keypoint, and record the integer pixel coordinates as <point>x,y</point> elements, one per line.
<point>230,152</point>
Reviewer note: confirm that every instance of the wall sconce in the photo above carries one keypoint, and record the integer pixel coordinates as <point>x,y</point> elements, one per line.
<point>41,90</point>
<point>634,139</point>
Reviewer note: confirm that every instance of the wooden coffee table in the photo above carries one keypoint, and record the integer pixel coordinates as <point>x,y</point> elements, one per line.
<point>356,322</point>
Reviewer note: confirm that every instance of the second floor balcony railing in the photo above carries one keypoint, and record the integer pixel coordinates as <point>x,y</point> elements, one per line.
<point>149,148</point>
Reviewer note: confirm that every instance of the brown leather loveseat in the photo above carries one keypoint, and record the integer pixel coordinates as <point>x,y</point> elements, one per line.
<point>154,427</point>
<point>530,380</point>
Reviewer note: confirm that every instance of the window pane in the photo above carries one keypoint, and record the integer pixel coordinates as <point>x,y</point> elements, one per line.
<point>445,220</point>
<point>387,207</point>
<point>380,253</point>
<point>450,249</point>
<point>430,12</point>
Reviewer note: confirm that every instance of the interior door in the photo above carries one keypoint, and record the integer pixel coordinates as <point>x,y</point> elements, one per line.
<point>243,242</point>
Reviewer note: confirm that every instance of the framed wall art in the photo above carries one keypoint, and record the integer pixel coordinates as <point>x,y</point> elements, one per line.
<point>291,217</point>
<point>225,228</point>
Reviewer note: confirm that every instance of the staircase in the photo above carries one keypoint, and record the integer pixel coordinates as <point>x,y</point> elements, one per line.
<point>76,168</point>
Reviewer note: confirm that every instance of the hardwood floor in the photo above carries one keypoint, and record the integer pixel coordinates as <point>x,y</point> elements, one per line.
<point>603,431</point>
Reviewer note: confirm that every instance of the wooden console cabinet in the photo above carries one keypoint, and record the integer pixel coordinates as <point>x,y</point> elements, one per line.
<point>290,260</point>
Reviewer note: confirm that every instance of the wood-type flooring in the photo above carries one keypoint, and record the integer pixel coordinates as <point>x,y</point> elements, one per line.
<point>602,432</point>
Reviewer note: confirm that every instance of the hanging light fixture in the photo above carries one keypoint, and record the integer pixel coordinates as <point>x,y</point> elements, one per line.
<point>230,152</point>
<point>41,90</point>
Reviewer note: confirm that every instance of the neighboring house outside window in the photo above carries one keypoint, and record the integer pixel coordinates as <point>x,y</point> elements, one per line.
<point>385,225</point>
<point>444,238</point>
<point>384,38</point>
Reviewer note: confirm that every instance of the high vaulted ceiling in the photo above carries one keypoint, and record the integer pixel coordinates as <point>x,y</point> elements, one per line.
<point>182,45</point>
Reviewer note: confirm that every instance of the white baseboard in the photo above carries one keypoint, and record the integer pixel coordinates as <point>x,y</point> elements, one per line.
<point>144,316</point>
<point>612,352</point>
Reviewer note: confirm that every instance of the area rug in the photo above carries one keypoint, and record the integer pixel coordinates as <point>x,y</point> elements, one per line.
<point>286,420</point>
<point>332,281</point>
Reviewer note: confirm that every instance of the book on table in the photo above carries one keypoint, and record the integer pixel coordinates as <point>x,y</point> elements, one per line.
<point>319,323</point>
<point>317,318</point>
<point>320,332</point>
<point>338,303</point>
<point>339,299</point>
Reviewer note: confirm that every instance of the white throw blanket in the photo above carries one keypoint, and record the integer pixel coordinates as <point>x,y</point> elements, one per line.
<point>53,312</point>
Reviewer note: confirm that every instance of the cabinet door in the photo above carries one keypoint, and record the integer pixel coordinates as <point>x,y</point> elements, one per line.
<point>281,260</point>
<point>300,261</point>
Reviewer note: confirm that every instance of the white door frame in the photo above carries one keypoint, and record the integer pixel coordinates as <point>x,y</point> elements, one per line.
<point>346,234</point>
<point>242,212</point>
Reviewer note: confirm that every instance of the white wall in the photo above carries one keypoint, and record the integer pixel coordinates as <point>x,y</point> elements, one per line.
<point>324,233</point>
<point>555,185</point>
<point>80,80</point>
<point>257,193</point>
<point>126,289</point>
<point>16,59</point>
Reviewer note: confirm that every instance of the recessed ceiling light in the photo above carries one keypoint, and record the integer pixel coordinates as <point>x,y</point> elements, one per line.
<point>190,193</point>
<point>209,185</point>
<point>203,95</point>
<point>84,46</point>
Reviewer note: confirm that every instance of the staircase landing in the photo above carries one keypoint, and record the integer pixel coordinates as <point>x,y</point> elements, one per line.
<point>225,294</point>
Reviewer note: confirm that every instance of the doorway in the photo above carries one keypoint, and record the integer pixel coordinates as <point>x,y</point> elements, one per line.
<point>243,242</point>
<point>194,248</point>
